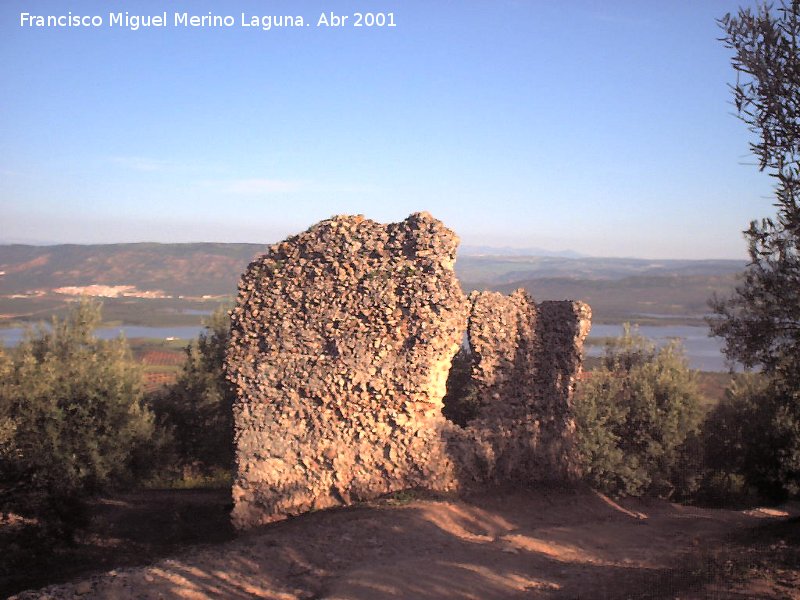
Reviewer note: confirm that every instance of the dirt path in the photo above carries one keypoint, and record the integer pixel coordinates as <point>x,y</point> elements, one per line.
<point>556,544</point>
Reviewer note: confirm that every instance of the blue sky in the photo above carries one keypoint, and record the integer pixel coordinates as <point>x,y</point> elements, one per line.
<point>601,126</point>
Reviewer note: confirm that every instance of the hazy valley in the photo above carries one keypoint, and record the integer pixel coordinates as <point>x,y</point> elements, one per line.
<point>175,284</point>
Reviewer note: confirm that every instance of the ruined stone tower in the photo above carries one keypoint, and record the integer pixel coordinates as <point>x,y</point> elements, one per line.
<point>341,343</point>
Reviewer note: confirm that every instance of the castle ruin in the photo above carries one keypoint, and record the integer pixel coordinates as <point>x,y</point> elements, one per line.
<point>341,344</point>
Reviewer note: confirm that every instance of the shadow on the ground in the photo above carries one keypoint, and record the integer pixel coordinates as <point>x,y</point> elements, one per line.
<point>556,543</point>
<point>126,529</point>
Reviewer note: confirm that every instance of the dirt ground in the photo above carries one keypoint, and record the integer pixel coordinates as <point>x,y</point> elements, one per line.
<point>509,544</point>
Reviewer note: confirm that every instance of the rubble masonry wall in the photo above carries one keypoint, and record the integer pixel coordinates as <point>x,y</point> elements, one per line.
<point>341,343</point>
<point>340,348</point>
<point>526,360</point>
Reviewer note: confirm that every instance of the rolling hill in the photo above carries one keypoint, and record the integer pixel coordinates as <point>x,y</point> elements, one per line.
<point>152,283</point>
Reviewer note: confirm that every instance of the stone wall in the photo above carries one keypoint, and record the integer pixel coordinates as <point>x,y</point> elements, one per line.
<point>527,359</point>
<point>341,343</point>
<point>502,337</point>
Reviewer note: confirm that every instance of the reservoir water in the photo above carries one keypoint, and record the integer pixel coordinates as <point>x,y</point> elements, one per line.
<point>704,353</point>
<point>13,335</point>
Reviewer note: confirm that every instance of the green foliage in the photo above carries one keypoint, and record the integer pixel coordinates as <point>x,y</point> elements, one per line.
<point>197,409</point>
<point>72,418</point>
<point>752,442</point>
<point>192,477</point>
<point>402,497</point>
<point>461,401</point>
<point>636,415</point>
<point>761,321</point>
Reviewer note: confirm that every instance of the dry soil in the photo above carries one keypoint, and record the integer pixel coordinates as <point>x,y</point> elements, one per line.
<point>509,544</point>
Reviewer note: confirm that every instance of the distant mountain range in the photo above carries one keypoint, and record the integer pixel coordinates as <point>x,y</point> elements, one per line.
<point>8,241</point>
<point>467,250</point>
<point>214,268</point>
<point>500,270</point>
<point>176,269</point>
<point>617,288</point>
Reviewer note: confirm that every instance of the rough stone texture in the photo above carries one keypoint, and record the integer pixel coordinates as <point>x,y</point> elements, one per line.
<point>503,338</point>
<point>341,344</point>
<point>527,359</point>
<point>562,329</point>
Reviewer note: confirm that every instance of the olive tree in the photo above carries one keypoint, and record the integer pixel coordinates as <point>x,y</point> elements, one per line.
<point>635,414</point>
<point>72,417</point>
<point>198,408</point>
<point>760,322</point>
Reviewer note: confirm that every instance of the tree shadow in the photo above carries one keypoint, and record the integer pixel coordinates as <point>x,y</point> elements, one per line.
<point>125,529</point>
<point>550,543</point>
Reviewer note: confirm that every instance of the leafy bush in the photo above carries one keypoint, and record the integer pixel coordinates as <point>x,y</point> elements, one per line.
<point>72,419</point>
<point>197,409</point>
<point>637,415</point>
<point>751,442</point>
<point>760,322</point>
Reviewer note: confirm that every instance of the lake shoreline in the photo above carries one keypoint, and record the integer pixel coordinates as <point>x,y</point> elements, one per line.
<point>704,352</point>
